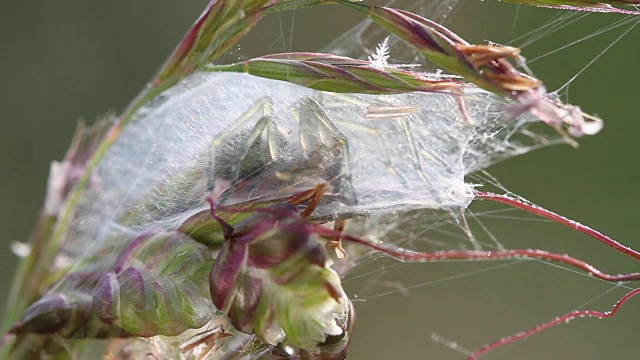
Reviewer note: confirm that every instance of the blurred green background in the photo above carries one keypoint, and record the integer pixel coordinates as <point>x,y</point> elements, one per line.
<point>61,61</point>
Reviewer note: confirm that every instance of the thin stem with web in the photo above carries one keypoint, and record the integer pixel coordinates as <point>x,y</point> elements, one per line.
<point>537,210</point>
<point>557,321</point>
<point>540,211</point>
<point>412,256</point>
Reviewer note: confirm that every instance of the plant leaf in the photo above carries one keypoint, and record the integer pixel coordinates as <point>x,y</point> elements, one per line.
<point>339,74</point>
<point>272,278</point>
<point>157,287</point>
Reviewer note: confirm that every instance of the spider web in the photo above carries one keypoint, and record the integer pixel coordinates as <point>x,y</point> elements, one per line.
<point>158,172</point>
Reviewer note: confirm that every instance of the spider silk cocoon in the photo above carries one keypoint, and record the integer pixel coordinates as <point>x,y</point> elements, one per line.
<point>377,152</point>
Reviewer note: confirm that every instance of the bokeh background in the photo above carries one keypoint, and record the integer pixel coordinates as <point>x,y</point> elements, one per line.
<point>61,61</point>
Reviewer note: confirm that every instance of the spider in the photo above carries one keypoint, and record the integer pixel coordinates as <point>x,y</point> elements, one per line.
<point>250,163</point>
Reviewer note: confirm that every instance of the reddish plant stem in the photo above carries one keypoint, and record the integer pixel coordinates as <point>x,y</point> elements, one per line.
<point>537,210</point>
<point>406,255</point>
<point>557,321</point>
